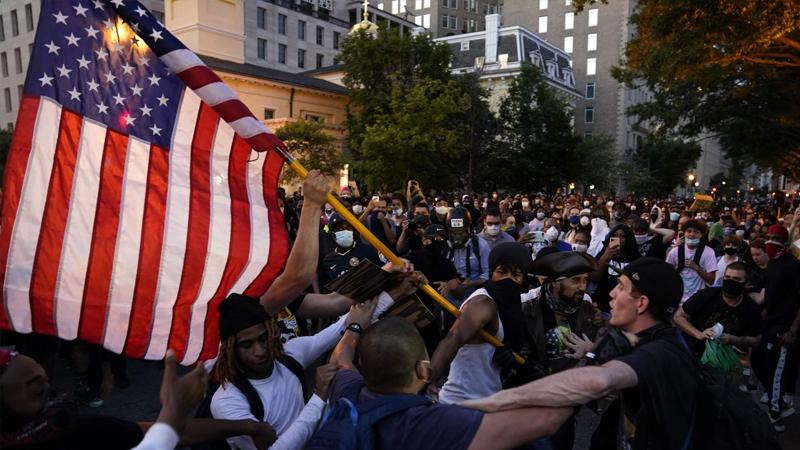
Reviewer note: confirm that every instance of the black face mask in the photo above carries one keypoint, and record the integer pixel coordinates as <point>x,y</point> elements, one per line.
<point>506,294</point>
<point>732,288</point>
<point>436,247</point>
<point>731,251</point>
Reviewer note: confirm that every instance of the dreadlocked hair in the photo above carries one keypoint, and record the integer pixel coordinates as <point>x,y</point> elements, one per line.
<point>229,370</point>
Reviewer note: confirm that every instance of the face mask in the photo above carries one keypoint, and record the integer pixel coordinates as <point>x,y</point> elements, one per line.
<point>585,220</point>
<point>581,248</point>
<point>728,231</point>
<point>574,220</point>
<point>436,247</point>
<point>641,238</point>
<point>740,233</point>
<point>731,251</point>
<point>732,288</point>
<point>774,249</point>
<point>551,234</point>
<point>492,230</point>
<point>398,212</point>
<point>344,238</point>
<point>540,215</point>
<point>674,216</point>
<point>511,229</point>
<point>610,204</point>
<point>536,202</point>
<point>692,242</point>
<point>526,204</point>
<point>441,210</point>
<point>358,209</point>
<point>633,207</point>
<point>586,203</point>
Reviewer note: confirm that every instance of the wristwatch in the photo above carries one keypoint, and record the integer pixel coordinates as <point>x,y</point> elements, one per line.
<point>355,328</point>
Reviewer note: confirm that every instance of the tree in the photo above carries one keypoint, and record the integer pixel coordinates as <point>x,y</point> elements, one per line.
<point>536,148</point>
<point>384,75</point>
<point>479,126</point>
<point>308,142</point>
<point>726,67</point>
<point>660,165</point>
<point>597,163</point>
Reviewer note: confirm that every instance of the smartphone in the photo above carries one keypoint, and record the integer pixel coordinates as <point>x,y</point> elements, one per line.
<point>375,198</point>
<point>614,240</point>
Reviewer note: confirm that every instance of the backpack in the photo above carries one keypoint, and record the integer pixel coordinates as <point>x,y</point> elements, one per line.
<point>350,427</point>
<point>698,255</point>
<point>727,418</point>
<point>253,399</point>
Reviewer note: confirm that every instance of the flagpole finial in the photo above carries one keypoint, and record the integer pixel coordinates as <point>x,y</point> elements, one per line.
<point>365,24</point>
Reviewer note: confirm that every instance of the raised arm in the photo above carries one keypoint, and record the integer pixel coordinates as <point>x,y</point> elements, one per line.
<point>301,265</point>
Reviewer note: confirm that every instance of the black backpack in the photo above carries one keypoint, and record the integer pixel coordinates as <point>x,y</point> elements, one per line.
<point>698,255</point>
<point>727,418</point>
<point>250,393</point>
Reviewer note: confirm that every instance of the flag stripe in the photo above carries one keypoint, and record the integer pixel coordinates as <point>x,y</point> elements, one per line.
<point>123,277</point>
<point>197,234</point>
<point>239,248</point>
<point>218,240</point>
<point>80,225</point>
<point>94,307</point>
<point>16,166</point>
<point>32,203</point>
<point>216,93</point>
<point>198,76</point>
<point>149,261</point>
<point>247,127</point>
<point>180,60</point>
<point>174,249</point>
<point>54,220</point>
<point>278,249</point>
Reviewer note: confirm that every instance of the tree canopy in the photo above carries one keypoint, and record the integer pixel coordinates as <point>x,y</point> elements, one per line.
<point>308,142</point>
<point>660,165</point>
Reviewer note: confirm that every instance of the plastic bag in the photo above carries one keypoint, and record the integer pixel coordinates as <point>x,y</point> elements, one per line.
<point>721,357</point>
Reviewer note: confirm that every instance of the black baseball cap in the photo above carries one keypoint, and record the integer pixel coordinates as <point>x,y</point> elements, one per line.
<point>239,312</point>
<point>659,281</point>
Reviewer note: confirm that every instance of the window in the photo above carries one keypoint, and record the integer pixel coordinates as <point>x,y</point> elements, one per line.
<point>320,60</point>
<point>591,66</point>
<point>445,21</point>
<point>314,117</point>
<point>7,93</point>
<point>465,46</point>
<point>568,44</point>
<point>426,21</point>
<point>380,6</point>
<point>536,58</point>
<point>426,3</point>
<point>269,113</point>
<point>29,17</point>
<point>587,134</point>
<point>569,21</point>
<point>282,53</point>
<point>18,59</point>
<point>262,49</point>
<point>551,68</point>
<point>471,5</point>
<point>395,6</point>
<point>262,18</point>
<point>589,116</point>
<point>589,90</point>
<point>543,24</point>
<point>593,17</point>
<point>301,58</point>
<point>568,3</point>
<point>14,23</point>
<point>591,43</point>
<point>2,29</point>
<point>282,24</point>
<point>336,37</point>
<point>454,22</point>
<point>320,35</point>
<point>301,30</point>
<point>4,63</point>
<point>569,76</point>
<point>542,4</point>
<point>472,25</point>
<point>19,91</point>
<point>418,20</point>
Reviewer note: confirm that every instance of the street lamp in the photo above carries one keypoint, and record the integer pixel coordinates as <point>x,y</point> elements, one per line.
<point>723,182</point>
<point>691,177</point>
<point>591,187</point>
<point>696,184</point>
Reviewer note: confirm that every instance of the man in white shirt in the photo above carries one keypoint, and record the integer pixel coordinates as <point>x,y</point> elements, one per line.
<point>696,262</point>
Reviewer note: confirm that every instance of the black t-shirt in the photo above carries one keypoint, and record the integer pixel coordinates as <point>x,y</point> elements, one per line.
<point>67,430</point>
<point>335,265</point>
<point>659,410</point>
<point>781,294</point>
<point>654,248</point>
<point>435,266</point>
<point>707,307</point>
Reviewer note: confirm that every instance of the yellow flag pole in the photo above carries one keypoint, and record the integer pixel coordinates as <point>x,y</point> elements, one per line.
<point>298,168</point>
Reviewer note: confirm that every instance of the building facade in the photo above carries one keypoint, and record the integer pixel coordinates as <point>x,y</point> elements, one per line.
<point>497,55</point>
<point>441,17</point>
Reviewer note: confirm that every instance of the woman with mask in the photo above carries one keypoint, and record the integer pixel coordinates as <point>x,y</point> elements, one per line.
<point>618,251</point>
<point>571,225</point>
<point>599,224</point>
<point>731,247</point>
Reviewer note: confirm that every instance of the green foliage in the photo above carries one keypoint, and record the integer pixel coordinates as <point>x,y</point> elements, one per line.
<point>479,127</point>
<point>5,144</point>
<point>660,165</point>
<point>309,143</point>
<point>725,67</point>
<point>597,162</point>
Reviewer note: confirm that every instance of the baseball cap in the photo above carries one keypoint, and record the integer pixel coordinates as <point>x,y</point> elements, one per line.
<point>659,281</point>
<point>239,312</point>
<point>435,229</point>
<point>778,231</point>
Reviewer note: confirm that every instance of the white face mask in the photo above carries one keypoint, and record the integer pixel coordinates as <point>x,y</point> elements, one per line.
<point>551,234</point>
<point>584,220</point>
<point>641,238</point>
<point>398,212</point>
<point>456,204</point>
<point>358,209</point>
<point>526,204</point>
<point>633,207</point>
<point>344,238</point>
<point>586,203</point>
<point>674,216</point>
<point>492,230</point>
<point>740,233</point>
<point>692,242</point>
<point>441,210</point>
<point>582,248</point>
<point>540,215</point>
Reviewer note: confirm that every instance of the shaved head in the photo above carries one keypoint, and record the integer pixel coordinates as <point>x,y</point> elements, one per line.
<point>389,351</point>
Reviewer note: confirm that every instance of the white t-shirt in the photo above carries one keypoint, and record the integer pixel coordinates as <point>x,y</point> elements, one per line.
<point>692,282</point>
<point>722,264</point>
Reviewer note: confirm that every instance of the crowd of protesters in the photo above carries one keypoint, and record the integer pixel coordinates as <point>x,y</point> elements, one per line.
<point>612,303</point>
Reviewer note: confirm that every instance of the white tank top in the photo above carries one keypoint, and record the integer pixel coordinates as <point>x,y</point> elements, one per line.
<point>472,374</point>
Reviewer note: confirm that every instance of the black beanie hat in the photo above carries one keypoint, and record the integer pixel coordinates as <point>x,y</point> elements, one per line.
<point>510,254</point>
<point>659,281</point>
<point>239,312</point>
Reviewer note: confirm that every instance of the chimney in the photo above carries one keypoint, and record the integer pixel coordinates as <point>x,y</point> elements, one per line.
<point>492,36</point>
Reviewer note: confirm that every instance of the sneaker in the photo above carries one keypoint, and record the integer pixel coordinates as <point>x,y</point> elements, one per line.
<point>748,388</point>
<point>777,421</point>
<point>764,398</point>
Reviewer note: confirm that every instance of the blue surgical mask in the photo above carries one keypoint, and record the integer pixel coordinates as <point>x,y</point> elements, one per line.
<point>344,238</point>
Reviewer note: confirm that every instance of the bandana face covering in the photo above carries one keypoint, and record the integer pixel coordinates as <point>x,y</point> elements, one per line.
<point>774,249</point>
<point>556,303</point>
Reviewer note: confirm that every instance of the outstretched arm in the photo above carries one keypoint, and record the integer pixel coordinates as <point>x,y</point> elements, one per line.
<point>302,262</point>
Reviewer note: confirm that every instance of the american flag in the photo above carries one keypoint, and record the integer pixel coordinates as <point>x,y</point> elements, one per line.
<point>133,201</point>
